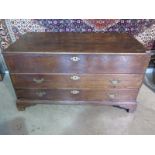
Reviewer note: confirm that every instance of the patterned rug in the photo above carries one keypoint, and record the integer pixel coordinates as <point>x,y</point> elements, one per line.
<point>142,29</point>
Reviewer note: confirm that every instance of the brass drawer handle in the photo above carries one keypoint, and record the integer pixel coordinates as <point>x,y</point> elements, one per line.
<point>38,80</point>
<point>41,93</point>
<point>112,96</point>
<point>74,77</point>
<point>75,59</point>
<point>74,92</point>
<point>115,82</point>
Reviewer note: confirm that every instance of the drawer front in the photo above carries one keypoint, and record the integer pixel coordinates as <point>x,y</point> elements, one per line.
<point>98,81</point>
<point>77,95</point>
<point>76,63</point>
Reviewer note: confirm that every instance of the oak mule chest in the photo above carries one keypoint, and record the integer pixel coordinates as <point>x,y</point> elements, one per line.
<point>77,68</point>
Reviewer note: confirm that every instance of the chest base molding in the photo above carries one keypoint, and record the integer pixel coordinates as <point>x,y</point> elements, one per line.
<point>129,106</point>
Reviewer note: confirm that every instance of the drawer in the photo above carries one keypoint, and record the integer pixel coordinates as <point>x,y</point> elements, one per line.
<point>76,63</point>
<point>77,94</point>
<point>92,81</point>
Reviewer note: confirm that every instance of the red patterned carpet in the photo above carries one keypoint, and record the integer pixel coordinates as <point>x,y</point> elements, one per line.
<point>142,29</point>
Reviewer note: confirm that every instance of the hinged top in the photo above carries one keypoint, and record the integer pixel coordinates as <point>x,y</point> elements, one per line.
<point>77,42</point>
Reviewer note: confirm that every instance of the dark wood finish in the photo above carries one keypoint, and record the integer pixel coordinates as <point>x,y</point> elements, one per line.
<point>129,106</point>
<point>23,104</point>
<point>89,63</point>
<point>1,77</point>
<point>92,81</point>
<point>83,95</point>
<point>77,42</point>
<point>41,65</point>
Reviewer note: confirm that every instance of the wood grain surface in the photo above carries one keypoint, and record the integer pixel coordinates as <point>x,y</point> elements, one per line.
<point>89,63</point>
<point>77,42</point>
<point>82,95</point>
<point>91,81</point>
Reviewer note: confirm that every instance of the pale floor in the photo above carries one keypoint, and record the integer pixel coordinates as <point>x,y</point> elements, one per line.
<point>75,119</point>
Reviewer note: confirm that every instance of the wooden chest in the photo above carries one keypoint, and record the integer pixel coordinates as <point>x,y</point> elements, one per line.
<point>77,68</point>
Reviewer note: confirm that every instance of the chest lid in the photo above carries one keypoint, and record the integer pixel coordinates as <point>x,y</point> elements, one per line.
<point>73,42</point>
